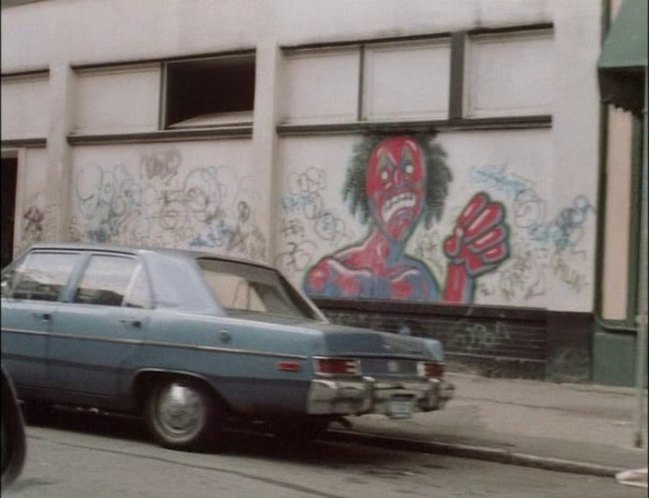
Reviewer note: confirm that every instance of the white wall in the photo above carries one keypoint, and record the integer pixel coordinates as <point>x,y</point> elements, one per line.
<point>35,34</point>
<point>558,166</point>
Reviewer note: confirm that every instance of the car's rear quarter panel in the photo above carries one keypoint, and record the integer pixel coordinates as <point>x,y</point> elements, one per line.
<point>239,358</point>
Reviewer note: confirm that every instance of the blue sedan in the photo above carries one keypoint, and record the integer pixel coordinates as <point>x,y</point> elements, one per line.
<point>191,340</point>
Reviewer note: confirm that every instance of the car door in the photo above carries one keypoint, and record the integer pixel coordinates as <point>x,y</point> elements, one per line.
<point>30,292</point>
<point>98,330</point>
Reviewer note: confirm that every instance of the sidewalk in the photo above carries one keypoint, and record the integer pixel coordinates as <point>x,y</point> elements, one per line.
<point>569,427</point>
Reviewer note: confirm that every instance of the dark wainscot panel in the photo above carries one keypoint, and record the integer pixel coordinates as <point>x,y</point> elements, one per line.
<point>483,340</point>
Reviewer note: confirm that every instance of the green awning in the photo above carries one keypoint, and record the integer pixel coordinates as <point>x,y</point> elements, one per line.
<point>623,62</point>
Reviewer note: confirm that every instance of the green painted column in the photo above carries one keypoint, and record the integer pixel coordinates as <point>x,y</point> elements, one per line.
<point>641,319</point>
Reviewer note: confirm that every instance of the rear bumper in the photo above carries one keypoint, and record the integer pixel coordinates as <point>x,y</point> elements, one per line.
<point>369,395</point>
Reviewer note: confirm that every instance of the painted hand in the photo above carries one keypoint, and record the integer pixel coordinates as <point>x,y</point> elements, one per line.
<point>479,243</point>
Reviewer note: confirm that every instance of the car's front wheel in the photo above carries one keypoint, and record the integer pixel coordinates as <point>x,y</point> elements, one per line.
<point>180,413</point>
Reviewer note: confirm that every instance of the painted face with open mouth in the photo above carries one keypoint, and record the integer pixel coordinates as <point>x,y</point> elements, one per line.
<point>395,186</point>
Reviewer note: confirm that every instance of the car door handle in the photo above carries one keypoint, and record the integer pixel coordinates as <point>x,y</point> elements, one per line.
<point>134,323</point>
<point>224,336</point>
<point>46,317</point>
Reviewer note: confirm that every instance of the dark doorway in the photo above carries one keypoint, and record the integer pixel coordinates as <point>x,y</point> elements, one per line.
<point>9,172</point>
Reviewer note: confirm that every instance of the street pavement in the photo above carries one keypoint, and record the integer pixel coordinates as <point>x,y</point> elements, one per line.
<point>585,429</point>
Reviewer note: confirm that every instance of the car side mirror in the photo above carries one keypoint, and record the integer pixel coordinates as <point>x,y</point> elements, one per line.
<point>13,433</point>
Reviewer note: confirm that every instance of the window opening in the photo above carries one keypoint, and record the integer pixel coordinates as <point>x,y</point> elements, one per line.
<point>210,92</point>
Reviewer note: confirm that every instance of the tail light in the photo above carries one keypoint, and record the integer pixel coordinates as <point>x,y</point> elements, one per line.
<point>430,369</point>
<point>337,366</point>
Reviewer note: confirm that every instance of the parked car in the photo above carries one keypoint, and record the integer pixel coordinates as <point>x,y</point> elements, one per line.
<point>13,439</point>
<point>190,341</point>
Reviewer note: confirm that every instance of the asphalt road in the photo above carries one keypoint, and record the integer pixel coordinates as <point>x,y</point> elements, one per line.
<point>81,455</point>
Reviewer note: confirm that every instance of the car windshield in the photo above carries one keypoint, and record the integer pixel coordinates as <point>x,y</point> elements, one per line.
<point>241,287</point>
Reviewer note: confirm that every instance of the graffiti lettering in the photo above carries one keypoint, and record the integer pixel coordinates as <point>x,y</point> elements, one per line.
<point>307,217</point>
<point>569,223</point>
<point>562,270</point>
<point>310,181</point>
<point>159,205</point>
<point>33,228</point>
<point>479,337</point>
<point>523,276</point>
<point>297,257</point>
<point>293,228</point>
<point>498,179</point>
<point>163,165</point>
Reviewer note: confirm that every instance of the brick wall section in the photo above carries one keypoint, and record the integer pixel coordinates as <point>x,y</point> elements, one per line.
<point>495,342</point>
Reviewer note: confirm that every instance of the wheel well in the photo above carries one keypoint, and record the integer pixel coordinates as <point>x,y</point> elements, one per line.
<point>146,380</point>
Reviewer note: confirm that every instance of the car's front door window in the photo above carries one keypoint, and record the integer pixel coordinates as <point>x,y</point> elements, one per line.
<point>41,276</point>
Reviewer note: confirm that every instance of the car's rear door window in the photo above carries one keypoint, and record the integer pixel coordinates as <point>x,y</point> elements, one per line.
<point>244,287</point>
<point>108,280</point>
<point>41,276</point>
<point>138,294</point>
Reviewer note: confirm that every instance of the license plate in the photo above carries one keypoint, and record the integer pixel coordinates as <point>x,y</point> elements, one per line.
<point>400,407</point>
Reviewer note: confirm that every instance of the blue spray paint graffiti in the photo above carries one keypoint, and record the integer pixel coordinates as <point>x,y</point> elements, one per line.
<point>159,204</point>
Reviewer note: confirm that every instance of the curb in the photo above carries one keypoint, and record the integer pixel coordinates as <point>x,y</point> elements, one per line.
<point>475,452</point>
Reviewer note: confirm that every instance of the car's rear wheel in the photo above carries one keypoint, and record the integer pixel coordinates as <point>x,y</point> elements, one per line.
<point>180,413</point>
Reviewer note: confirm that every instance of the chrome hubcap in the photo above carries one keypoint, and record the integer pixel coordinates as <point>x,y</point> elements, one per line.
<point>180,410</point>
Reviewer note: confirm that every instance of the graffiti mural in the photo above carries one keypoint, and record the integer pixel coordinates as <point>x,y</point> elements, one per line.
<point>396,183</point>
<point>544,247</point>
<point>158,201</point>
<point>38,221</point>
<point>33,227</point>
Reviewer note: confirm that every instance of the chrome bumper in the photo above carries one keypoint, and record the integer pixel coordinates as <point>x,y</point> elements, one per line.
<point>369,395</point>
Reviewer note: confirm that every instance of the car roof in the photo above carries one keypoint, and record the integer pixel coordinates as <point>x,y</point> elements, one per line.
<point>188,253</point>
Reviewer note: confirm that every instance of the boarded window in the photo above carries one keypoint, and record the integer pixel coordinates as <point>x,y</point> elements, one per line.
<point>111,100</point>
<point>321,86</point>
<point>407,80</point>
<point>25,106</point>
<point>510,75</point>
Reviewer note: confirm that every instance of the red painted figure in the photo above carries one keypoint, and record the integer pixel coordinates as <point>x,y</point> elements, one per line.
<point>378,267</point>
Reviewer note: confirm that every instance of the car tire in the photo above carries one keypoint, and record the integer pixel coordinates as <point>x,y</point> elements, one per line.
<point>180,413</point>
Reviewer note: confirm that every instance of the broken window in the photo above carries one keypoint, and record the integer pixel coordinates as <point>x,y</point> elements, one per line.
<point>217,91</point>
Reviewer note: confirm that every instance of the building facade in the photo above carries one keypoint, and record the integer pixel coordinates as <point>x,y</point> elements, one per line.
<point>423,167</point>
